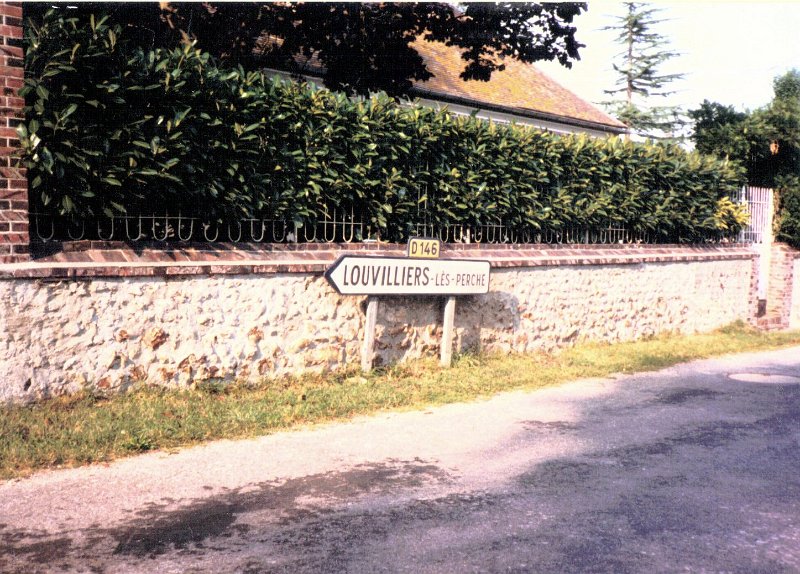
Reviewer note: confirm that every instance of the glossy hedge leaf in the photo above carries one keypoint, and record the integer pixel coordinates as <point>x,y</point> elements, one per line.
<point>300,152</point>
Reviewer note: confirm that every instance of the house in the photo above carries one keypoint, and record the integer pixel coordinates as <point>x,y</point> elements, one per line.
<point>520,93</point>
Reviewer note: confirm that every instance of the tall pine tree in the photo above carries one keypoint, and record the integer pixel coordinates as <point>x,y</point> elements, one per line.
<point>640,77</point>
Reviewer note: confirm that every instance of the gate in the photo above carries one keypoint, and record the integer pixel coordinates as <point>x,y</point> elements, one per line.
<point>759,201</point>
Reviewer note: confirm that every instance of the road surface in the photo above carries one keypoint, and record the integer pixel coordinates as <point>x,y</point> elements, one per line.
<point>691,469</point>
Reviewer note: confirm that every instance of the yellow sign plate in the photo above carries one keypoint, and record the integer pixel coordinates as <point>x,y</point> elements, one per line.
<point>424,248</point>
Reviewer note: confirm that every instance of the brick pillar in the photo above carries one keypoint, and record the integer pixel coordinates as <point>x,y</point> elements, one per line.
<point>754,302</point>
<point>779,294</point>
<point>14,220</point>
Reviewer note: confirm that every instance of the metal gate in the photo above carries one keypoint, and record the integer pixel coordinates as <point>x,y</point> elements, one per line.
<point>759,201</point>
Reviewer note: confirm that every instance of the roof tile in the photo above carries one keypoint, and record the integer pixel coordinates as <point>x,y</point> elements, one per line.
<point>520,87</point>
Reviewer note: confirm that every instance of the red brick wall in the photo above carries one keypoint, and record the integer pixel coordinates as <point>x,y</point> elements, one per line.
<point>779,295</point>
<point>14,238</point>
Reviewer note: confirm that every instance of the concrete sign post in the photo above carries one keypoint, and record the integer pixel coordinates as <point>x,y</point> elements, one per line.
<point>368,346</point>
<point>418,274</point>
<point>446,351</point>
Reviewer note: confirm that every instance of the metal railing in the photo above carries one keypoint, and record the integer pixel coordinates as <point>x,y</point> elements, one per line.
<point>342,228</point>
<point>338,228</point>
<point>499,233</point>
<point>760,204</point>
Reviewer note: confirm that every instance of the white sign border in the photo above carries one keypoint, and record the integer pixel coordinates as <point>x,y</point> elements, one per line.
<point>410,260</point>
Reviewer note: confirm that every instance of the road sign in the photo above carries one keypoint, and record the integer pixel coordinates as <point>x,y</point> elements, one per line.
<point>424,248</point>
<point>361,275</point>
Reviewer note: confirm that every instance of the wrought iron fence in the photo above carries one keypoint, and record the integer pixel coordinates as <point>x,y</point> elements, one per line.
<point>341,228</point>
<point>347,227</point>
<point>499,233</point>
<point>338,228</point>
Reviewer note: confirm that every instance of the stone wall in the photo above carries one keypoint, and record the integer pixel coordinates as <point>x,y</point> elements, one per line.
<point>110,332</point>
<point>794,317</point>
<point>107,325</point>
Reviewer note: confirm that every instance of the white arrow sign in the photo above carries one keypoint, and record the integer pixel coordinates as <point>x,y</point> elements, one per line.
<point>360,275</point>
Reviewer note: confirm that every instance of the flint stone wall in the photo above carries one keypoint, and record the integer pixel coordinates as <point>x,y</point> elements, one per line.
<point>794,318</point>
<point>108,332</point>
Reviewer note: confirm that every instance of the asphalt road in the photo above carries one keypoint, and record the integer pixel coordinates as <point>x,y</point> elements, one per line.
<point>691,469</point>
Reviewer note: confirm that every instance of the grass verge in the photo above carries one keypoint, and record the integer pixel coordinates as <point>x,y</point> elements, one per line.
<point>83,429</point>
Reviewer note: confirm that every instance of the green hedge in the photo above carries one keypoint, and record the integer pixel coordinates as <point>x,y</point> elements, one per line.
<point>112,127</point>
<point>788,214</point>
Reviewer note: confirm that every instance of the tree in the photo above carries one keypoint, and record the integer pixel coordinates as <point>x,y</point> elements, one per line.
<point>639,76</point>
<point>363,47</point>
<point>787,87</point>
<point>765,141</point>
<point>781,121</point>
<point>719,130</point>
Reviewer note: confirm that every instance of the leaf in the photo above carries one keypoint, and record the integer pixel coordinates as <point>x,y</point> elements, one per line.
<point>69,111</point>
<point>42,92</point>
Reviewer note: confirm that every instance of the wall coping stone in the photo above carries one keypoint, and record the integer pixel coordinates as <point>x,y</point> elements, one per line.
<point>87,259</point>
<point>787,249</point>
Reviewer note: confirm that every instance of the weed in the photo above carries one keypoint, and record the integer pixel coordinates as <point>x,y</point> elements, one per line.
<point>85,427</point>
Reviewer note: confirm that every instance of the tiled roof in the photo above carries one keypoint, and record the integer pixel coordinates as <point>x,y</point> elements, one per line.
<point>519,89</point>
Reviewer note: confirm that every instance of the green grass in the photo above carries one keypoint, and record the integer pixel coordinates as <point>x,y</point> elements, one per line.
<point>86,428</point>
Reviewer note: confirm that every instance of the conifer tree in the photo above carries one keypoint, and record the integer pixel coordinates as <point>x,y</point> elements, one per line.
<point>640,78</point>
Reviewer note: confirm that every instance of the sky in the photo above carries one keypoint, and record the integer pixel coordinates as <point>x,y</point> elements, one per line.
<point>730,51</point>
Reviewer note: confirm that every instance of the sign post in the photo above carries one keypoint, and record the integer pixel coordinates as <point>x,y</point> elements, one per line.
<point>446,355</point>
<point>368,347</point>
<point>421,273</point>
